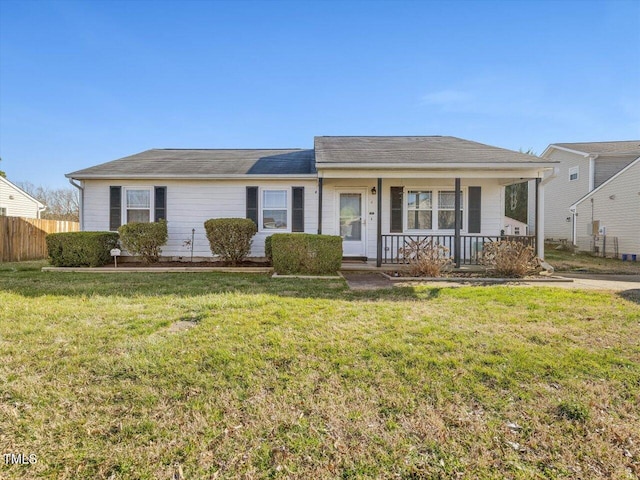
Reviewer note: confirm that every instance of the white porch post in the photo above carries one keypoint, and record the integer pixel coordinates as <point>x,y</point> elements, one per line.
<point>539,218</point>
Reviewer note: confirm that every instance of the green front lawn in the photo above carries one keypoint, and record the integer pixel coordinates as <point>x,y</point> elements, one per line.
<point>306,379</point>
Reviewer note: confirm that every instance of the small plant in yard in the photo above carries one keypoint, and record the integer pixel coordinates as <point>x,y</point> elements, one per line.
<point>230,238</point>
<point>426,258</point>
<point>305,253</point>
<point>509,258</point>
<point>144,239</point>
<point>573,411</point>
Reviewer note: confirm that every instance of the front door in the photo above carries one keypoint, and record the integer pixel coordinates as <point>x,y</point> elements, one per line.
<point>351,223</point>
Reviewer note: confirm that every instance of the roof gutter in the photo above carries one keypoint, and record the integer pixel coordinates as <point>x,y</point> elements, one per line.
<point>80,203</point>
<point>173,176</point>
<point>435,166</point>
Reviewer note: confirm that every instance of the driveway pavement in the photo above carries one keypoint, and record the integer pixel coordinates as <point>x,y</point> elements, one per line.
<point>617,283</point>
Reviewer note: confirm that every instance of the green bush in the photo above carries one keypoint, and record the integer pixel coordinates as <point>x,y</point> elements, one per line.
<point>305,253</point>
<point>268,251</point>
<point>81,249</point>
<point>144,239</point>
<point>230,237</point>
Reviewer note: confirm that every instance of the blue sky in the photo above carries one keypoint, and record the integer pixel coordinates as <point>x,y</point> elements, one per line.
<point>85,82</point>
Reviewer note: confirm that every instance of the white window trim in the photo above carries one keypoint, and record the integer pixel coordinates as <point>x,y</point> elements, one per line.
<point>152,200</point>
<point>573,170</point>
<point>6,211</point>
<point>274,188</point>
<point>434,209</point>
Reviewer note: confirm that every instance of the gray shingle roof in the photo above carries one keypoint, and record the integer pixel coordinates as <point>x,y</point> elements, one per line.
<point>412,150</point>
<point>202,163</point>
<point>602,148</point>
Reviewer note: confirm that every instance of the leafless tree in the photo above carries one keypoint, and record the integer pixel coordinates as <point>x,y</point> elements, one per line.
<point>62,203</point>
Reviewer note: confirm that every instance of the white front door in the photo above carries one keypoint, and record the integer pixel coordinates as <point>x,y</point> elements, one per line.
<point>351,222</point>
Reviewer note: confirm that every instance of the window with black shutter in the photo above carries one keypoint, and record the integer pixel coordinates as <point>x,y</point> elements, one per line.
<point>396,209</point>
<point>297,212</point>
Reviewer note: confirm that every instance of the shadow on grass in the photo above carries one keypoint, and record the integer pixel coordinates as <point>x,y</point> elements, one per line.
<point>34,283</point>
<point>633,295</point>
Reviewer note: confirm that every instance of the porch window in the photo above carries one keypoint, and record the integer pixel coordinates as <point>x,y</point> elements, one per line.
<point>446,209</point>
<point>432,209</point>
<point>419,210</point>
<point>274,209</point>
<point>138,205</point>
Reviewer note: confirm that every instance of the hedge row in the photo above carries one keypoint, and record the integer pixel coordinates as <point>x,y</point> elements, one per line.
<point>81,249</point>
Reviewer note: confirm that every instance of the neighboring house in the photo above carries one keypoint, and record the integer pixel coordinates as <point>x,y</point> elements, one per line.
<point>515,227</point>
<point>15,202</point>
<point>582,168</point>
<point>375,192</point>
<point>614,208</point>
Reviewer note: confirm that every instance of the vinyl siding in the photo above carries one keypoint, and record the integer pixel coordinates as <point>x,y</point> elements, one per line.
<point>619,215</point>
<point>190,204</point>
<point>607,167</point>
<point>18,206</point>
<point>560,193</point>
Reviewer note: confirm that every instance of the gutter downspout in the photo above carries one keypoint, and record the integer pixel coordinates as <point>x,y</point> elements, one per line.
<point>80,204</point>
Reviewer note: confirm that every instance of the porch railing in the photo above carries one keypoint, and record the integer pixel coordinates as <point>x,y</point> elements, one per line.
<point>471,246</point>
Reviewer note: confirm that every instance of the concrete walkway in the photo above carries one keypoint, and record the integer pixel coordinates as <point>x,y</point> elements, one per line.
<point>616,283</point>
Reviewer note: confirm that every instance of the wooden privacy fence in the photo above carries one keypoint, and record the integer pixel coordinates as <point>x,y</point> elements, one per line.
<point>24,238</point>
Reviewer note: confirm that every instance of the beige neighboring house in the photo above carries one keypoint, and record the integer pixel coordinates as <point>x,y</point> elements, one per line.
<point>15,202</point>
<point>614,208</point>
<point>582,168</point>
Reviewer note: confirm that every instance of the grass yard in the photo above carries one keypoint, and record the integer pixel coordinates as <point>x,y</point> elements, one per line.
<point>564,261</point>
<point>306,379</point>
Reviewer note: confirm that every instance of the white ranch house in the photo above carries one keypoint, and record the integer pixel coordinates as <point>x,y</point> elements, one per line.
<point>377,193</point>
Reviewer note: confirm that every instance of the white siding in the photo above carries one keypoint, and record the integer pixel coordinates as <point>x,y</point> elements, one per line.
<point>620,215</point>
<point>560,193</point>
<point>17,203</point>
<point>190,204</point>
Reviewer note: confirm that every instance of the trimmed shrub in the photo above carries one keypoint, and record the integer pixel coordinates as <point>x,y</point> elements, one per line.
<point>509,258</point>
<point>230,237</point>
<point>81,249</point>
<point>426,258</point>
<point>268,251</point>
<point>144,239</point>
<point>306,253</point>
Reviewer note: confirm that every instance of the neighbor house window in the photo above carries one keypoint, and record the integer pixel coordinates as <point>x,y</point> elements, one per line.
<point>431,210</point>
<point>3,211</point>
<point>419,210</point>
<point>138,204</point>
<point>573,173</point>
<point>275,210</point>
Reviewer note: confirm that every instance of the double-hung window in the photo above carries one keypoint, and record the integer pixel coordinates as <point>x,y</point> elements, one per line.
<point>573,174</point>
<point>275,209</point>
<point>419,210</point>
<point>446,210</point>
<point>137,204</point>
<point>432,209</point>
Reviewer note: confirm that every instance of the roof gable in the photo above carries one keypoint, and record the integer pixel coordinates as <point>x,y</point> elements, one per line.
<point>21,192</point>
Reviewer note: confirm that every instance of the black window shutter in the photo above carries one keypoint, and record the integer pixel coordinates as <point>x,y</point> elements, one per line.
<point>297,214</point>
<point>115,208</point>
<point>160,203</point>
<point>252,204</point>
<point>396,209</point>
<point>475,208</point>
